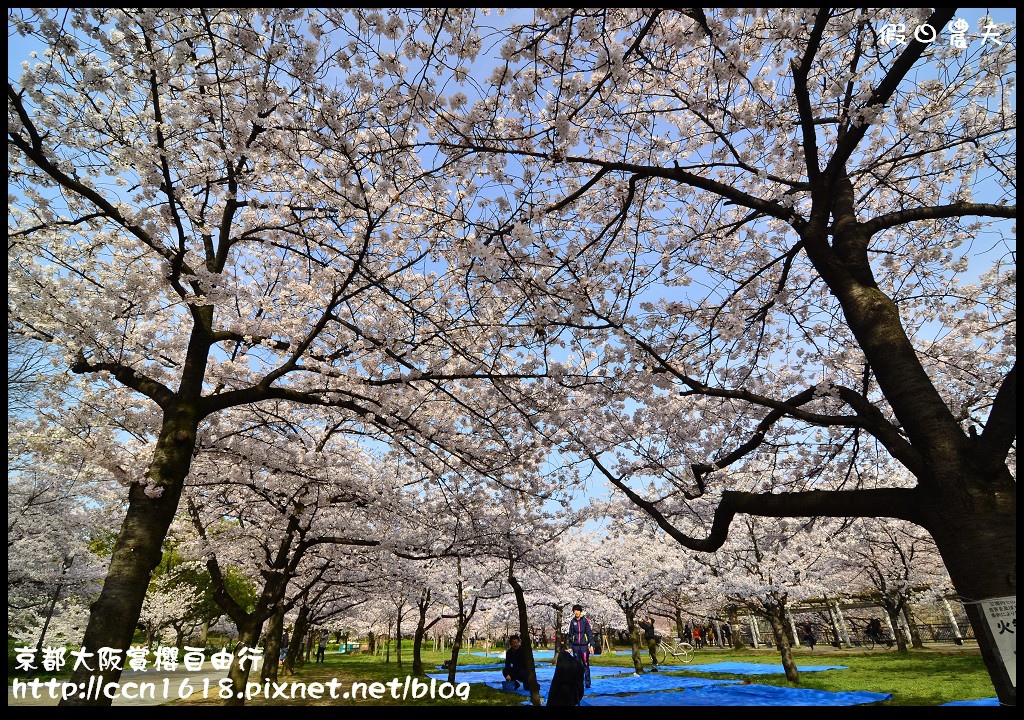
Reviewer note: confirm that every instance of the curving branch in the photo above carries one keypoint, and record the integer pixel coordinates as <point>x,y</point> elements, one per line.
<point>155,391</point>
<point>937,212</point>
<point>900,503</point>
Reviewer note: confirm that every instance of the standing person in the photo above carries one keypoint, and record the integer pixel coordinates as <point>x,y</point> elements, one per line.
<point>696,636</point>
<point>726,634</point>
<point>687,634</point>
<point>807,630</point>
<point>581,637</point>
<point>284,645</point>
<point>651,638</point>
<point>515,664</point>
<point>321,646</point>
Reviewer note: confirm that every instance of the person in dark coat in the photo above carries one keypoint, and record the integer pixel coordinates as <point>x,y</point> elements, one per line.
<point>515,663</point>
<point>567,682</point>
<point>807,631</point>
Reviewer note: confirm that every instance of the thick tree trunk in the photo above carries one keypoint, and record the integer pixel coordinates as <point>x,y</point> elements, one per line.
<point>461,623</point>
<point>273,630</point>
<point>777,619</point>
<point>734,623</point>
<point>968,497</point>
<point>524,633</point>
<point>634,638</point>
<point>456,648</point>
<point>897,634</point>
<point>915,632</point>
<point>139,547</point>
<point>417,641</point>
<point>893,604</point>
<point>559,637</point>
<point>976,534</point>
<point>303,638</point>
<point>238,674</point>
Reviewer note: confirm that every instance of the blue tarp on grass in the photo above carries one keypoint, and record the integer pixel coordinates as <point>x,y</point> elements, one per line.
<point>549,654</point>
<point>544,674</point>
<point>618,684</point>
<point>732,695</point>
<point>979,701</point>
<point>745,668</point>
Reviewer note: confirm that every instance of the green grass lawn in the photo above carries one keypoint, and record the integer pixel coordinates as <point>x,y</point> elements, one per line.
<point>932,676</point>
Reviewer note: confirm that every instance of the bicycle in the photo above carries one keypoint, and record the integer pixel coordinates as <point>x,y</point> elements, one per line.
<point>679,651</point>
<point>870,639</point>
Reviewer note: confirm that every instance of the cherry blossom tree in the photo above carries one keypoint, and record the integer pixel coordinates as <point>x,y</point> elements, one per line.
<point>628,569</point>
<point>770,564</point>
<point>212,209</point>
<point>430,609</point>
<point>166,604</point>
<point>291,515</point>
<point>771,239</point>
<point>896,560</point>
<point>469,583</point>
<point>51,555</point>
<point>530,543</point>
<point>59,500</point>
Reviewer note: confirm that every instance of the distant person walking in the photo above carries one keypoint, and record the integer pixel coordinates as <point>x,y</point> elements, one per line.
<point>807,631</point>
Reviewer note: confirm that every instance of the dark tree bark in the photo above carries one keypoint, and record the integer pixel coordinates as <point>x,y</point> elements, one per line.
<point>777,619</point>
<point>138,549</point>
<point>524,633</point>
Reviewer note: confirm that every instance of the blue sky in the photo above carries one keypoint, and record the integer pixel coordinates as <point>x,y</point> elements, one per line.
<point>19,47</point>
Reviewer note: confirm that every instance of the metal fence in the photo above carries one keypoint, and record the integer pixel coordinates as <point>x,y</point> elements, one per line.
<point>825,635</point>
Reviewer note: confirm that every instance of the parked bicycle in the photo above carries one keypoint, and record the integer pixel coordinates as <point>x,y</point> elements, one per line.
<point>678,651</point>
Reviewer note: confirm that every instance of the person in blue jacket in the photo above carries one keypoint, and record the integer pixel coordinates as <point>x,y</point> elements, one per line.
<point>581,637</point>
